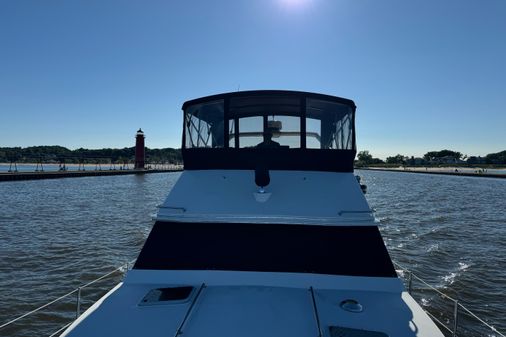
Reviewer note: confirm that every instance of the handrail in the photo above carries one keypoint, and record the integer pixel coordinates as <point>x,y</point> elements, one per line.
<point>78,290</point>
<point>437,320</point>
<point>457,304</point>
<point>61,329</point>
<point>480,320</point>
<point>315,312</point>
<point>37,309</point>
<point>410,276</point>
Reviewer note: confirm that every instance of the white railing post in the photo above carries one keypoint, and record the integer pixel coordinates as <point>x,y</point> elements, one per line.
<point>410,282</point>
<point>78,303</point>
<point>455,317</point>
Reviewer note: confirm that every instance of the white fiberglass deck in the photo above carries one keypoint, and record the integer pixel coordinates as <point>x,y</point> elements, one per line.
<point>255,310</point>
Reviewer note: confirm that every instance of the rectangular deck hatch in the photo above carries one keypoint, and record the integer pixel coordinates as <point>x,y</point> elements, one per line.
<point>337,331</point>
<point>167,295</point>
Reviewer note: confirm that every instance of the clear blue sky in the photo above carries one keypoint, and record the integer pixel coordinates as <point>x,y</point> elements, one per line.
<point>425,74</point>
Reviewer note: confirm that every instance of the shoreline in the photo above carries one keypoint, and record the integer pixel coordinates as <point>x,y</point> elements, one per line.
<point>451,171</point>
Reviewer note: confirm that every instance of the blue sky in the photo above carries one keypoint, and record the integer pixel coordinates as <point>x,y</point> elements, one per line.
<point>425,75</point>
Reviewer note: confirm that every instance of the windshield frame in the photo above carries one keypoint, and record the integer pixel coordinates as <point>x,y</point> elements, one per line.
<point>278,97</point>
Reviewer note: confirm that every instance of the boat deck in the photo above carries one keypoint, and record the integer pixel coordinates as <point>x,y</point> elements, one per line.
<point>253,311</point>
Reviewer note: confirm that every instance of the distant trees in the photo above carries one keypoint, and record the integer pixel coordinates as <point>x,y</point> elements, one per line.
<point>436,155</point>
<point>365,159</point>
<point>434,158</point>
<point>496,158</point>
<point>398,159</point>
<point>59,154</point>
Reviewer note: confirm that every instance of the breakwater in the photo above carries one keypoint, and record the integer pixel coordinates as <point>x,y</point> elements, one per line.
<point>10,176</point>
<point>453,172</point>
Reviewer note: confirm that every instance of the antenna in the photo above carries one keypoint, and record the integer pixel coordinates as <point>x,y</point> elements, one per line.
<point>239,87</point>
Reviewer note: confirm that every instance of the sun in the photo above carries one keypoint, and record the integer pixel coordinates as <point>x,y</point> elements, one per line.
<point>294,3</point>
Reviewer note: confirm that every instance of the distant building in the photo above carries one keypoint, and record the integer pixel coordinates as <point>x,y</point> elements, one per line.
<point>139,150</point>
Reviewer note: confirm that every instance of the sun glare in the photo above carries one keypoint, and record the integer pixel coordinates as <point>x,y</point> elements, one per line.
<point>294,3</point>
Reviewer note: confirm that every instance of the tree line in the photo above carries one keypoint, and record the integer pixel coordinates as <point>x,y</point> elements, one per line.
<point>60,154</point>
<point>364,158</point>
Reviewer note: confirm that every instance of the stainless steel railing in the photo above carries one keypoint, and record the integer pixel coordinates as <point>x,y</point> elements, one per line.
<point>450,328</point>
<point>458,308</point>
<point>76,292</point>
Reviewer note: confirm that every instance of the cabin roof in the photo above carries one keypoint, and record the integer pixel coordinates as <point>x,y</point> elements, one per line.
<point>251,93</point>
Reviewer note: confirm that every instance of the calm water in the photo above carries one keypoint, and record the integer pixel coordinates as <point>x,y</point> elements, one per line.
<point>58,234</point>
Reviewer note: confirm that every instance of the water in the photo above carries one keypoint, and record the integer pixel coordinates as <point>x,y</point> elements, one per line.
<point>450,231</point>
<point>56,235</point>
<point>4,167</point>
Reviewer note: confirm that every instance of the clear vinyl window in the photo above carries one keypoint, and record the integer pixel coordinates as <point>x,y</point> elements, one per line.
<point>204,125</point>
<point>329,125</point>
<point>267,121</point>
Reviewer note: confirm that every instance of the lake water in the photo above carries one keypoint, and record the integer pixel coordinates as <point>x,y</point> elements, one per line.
<point>56,235</point>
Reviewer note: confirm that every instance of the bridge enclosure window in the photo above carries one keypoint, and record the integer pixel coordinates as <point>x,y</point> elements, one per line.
<point>288,134</point>
<point>260,121</point>
<point>281,130</point>
<point>313,133</point>
<point>250,131</point>
<point>257,116</point>
<point>204,125</point>
<point>329,125</point>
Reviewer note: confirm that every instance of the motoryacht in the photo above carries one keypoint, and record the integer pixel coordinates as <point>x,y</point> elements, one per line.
<point>267,232</point>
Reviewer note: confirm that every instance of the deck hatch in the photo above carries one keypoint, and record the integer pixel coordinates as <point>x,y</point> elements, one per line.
<point>167,295</point>
<point>338,331</point>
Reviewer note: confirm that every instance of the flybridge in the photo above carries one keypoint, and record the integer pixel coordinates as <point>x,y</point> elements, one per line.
<point>284,130</point>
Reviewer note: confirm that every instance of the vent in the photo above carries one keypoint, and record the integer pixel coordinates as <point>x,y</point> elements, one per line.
<point>167,295</point>
<point>337,331</point>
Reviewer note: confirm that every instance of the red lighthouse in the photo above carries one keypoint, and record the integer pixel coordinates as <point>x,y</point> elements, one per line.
<point>139,150</point>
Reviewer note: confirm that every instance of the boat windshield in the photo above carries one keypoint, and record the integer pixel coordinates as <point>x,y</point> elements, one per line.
<point>269,121</point>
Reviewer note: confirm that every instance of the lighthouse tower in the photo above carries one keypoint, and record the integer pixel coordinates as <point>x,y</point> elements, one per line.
<point>139,150</point>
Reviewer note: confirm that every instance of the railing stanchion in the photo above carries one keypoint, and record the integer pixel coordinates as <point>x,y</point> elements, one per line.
<point>455,317</point>
<point>410,282</point>
<point>78,304</point>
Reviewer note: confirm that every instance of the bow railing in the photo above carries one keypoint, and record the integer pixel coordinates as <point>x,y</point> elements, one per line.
<point>452,316</point>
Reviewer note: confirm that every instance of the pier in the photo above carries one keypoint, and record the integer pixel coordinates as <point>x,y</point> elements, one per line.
<point>11,176</point>
<point>27,166</point>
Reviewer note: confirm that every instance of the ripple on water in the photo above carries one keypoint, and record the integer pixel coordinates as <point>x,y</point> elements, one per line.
<point>57,234</point>
<point>452,232</point>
